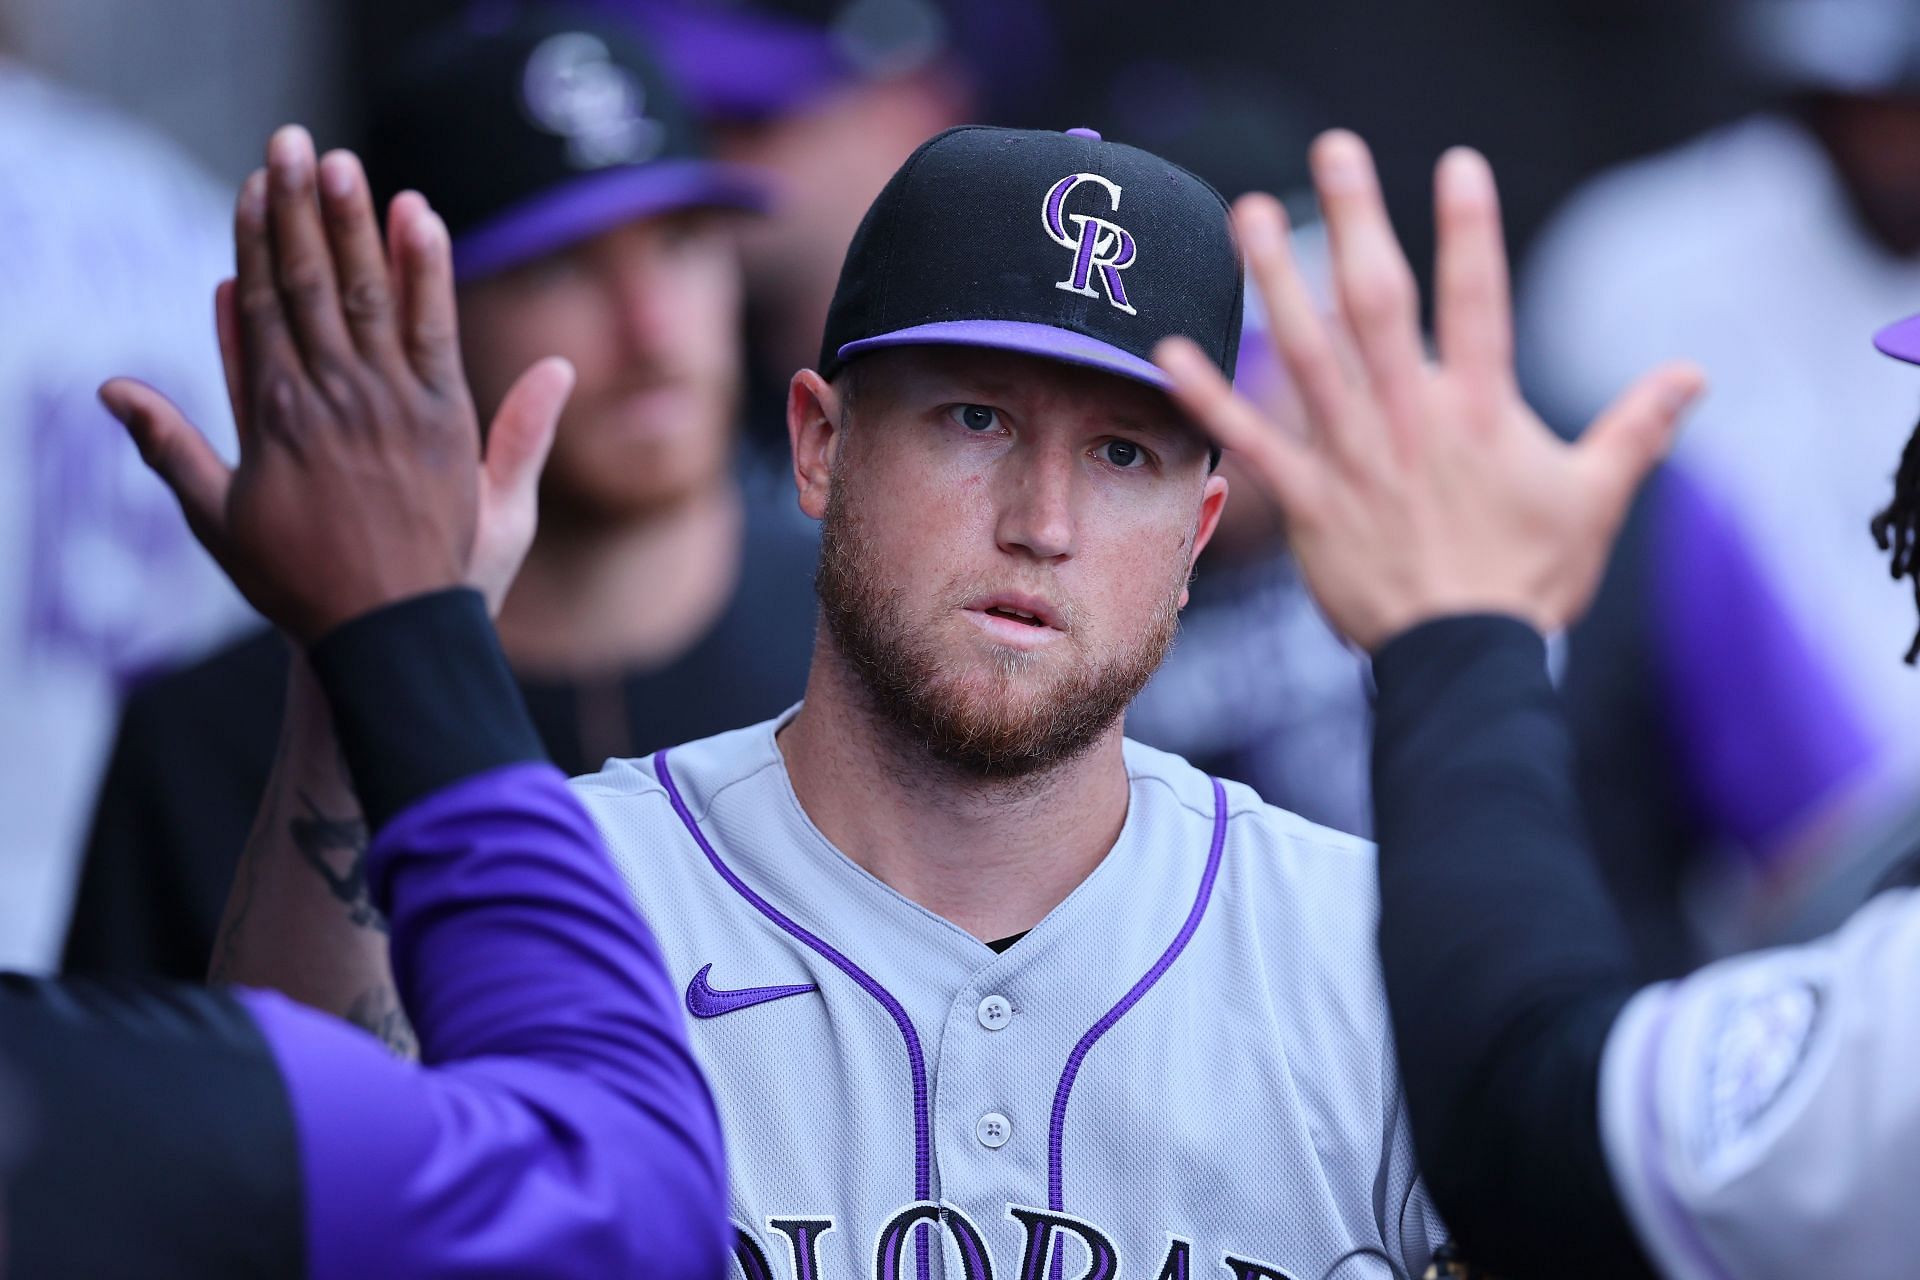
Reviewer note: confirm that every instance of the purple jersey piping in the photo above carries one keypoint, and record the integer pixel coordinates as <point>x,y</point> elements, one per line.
<point>1057,1131</point>
<point>1652,1169</point>
<point>916,1060</point>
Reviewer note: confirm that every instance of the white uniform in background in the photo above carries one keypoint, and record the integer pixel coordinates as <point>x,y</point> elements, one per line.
<point>110,245</point>
<point>1740,251</point>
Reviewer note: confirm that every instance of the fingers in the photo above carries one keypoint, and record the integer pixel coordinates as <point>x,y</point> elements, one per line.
<point>302,257</point>
<point>1299,335</point>
<point>400,211</point>
<point>1286,467</point>
<point>266,343</point>
<point>1635,432</point>
<point>226,328</point>
<point>517,445</point>
<point>1376,286</point>
<point>178,454</point>
<point>430,332</point>
<point>523,429</point>
<point>1472,312</point>
<point>359,259</point>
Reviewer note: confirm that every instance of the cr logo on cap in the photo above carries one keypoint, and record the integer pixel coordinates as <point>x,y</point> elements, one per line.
<point>1095,241</point>
<point>573,87</point>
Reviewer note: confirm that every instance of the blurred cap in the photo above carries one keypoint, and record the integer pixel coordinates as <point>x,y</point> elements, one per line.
<point>745,60</point>
<point>1901,340</point>
<point>531,130</point>
<point>1835,46</point>
<point>1053,244</point>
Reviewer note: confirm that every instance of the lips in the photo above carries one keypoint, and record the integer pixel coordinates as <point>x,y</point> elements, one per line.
<point>1028,610</point>
<point>1018,621</point>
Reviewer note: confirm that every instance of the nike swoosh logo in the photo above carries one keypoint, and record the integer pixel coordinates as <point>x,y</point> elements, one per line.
<point>704,1000</point>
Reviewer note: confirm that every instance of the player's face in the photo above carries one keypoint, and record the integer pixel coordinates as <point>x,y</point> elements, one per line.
<point>1006,548</point>
<point>649,315</point>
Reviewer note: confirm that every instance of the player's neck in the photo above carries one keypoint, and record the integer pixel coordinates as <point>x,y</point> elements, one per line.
<point>592,599</point>
<point>992,857</point>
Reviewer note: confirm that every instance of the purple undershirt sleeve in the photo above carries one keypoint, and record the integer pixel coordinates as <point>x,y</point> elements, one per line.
<point>558,1125</point>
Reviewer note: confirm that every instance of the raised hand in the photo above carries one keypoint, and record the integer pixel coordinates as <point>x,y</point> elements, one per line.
<point>1425,486</point>
<point>361,478</point>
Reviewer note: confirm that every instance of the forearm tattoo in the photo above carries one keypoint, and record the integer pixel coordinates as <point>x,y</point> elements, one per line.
<point>336,848</point>
<point>378,1011</point>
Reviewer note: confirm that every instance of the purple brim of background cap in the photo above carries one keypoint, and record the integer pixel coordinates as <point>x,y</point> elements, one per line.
<point>599,202</point>
<point>1022,336</point>
<point>739,64</point>
<point>1901,340</point>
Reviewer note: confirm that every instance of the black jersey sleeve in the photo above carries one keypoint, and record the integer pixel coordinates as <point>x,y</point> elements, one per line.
<point>1504,963</point>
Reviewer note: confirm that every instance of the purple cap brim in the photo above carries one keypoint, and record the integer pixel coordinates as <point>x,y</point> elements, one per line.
<point>1022,336</point>
<point>740,64</point>
<point>1901,340</point>
<point>598,202</point>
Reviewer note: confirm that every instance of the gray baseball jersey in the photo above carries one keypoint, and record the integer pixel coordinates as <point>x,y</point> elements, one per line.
<point>1762,1117</point>
<point>1183,1073</point>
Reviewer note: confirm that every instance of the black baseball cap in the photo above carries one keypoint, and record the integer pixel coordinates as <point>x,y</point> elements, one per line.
<point>530,129</point>
<point>1058,245</point>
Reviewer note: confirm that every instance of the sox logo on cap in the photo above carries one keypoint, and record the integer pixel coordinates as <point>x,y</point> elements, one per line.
<point>1095,241</point>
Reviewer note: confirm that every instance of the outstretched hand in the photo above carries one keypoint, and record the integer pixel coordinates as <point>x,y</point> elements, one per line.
<point>361,478</point>
<point>1425,486</point>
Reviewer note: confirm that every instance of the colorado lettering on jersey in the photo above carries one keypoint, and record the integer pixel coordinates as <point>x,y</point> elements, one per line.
<point>1043,1257</point>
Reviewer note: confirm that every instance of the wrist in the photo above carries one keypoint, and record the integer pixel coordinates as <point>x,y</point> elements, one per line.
<point>1444,608</point>
<point>397,584</point>
<point>422,698</point>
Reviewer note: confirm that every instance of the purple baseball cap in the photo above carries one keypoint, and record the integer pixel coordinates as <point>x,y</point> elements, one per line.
<point>530,130</point>
<point>1901,340</point>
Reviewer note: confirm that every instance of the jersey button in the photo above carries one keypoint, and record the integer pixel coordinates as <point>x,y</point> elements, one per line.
<point>995,1012</point>
<point>993,1130</point>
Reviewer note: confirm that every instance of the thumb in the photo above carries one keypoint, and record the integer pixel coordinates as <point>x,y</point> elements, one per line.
<point>1638,428</point>
<point>522,431</point>
<point>177,453</point>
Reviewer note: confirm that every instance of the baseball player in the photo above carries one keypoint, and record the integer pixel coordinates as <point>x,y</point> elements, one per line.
<point>983,988</point>
<point>563,1128</point>
<point>1757,1119</point>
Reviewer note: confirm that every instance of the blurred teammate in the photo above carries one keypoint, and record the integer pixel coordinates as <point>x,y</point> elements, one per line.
<point>563,1130</point>
<point>826,97</point>
<point>111,236</point>
<point>662,600</point>
<point>975,978</point>
<point>1756,1119</point>
<point>1740,609</point>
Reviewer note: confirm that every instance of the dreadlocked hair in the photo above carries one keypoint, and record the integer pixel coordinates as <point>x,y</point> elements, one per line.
<point>1897,529</point>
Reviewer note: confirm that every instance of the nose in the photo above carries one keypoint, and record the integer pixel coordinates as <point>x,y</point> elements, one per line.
<point>642,308</point>
<point>1036,503</point>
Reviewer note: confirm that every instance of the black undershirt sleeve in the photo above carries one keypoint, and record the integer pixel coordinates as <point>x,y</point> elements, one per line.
<point>1504,963</point>
<point>422,697</point>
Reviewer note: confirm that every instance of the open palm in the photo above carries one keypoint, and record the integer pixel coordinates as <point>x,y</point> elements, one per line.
<point>1424,485</point>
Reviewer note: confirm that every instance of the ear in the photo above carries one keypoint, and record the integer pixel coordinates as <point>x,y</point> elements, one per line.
<point>813,429</point>
<point>1213,500</point>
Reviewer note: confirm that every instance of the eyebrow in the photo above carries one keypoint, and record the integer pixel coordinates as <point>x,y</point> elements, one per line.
<point>1171,427</point>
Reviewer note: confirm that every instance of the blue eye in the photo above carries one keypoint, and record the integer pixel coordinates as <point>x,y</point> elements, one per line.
<point>1123,453</point>
<point>974,417</point>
